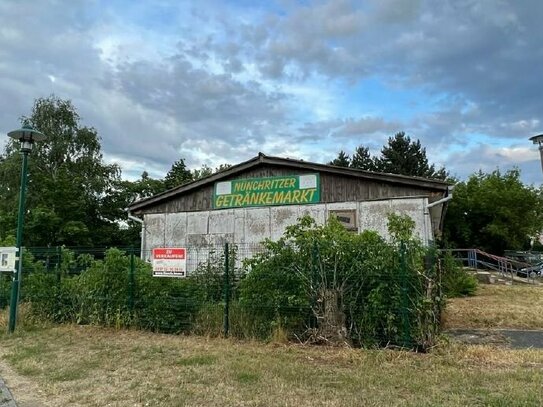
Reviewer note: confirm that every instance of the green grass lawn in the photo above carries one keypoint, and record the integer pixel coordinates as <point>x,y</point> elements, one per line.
<point>91,366</point>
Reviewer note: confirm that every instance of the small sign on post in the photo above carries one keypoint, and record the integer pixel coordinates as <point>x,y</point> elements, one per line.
<point>169,262</point>
<point>8,255</point>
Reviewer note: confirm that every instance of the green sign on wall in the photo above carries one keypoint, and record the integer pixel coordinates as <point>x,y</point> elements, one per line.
<point>285,190</point>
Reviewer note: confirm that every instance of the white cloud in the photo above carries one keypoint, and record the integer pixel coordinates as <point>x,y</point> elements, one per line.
<point>217,83</point>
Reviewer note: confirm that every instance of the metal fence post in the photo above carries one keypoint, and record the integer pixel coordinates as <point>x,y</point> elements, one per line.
<point>58,269</point>
<point>131,282</point>
<point>406,334</point>
<point>226,289</point>
<point>314,284</point>
<point>59,263</point>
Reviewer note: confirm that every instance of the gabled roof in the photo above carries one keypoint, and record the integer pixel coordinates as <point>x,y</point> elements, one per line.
<point>261,159</point>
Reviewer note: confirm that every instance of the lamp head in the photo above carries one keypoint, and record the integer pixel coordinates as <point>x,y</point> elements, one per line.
<point>27,136</point>
<point>537,139</point>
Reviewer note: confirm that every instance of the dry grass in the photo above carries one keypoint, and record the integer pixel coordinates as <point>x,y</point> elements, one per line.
<point>90,366</point>
<point>498,306</point>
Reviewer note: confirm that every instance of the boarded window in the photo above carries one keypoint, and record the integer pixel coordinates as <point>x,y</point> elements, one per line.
<point>347,217</point>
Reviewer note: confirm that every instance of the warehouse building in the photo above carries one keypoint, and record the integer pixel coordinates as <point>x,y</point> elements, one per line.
<point>259,198</point>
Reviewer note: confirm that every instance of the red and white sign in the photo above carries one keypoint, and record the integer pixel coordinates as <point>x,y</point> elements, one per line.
<point>170,262</point>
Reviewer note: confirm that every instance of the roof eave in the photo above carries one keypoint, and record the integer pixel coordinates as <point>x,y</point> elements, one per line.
<point>194,184</point>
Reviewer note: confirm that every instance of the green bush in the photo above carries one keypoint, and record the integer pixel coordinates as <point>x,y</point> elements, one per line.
<point>209,275</point>
<point>317,283</point>
<point>102,293</point>
<point>166,304</point>
<point>273,292</point>
<point>326,282</point>
<point>209,320</point>
<point>99,295</point>
<point>5,288</point>
<point>457,282</point>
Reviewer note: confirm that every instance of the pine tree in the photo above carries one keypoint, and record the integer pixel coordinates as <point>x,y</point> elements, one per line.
<point>342,160</point>
<point>178,175</point>
<point>362,160</point>
<point>406,157</point>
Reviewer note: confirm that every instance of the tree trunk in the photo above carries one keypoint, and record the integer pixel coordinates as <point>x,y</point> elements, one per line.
<point>332,323</point>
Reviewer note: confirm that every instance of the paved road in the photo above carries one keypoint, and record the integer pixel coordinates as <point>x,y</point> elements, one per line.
<point>6,399</point>
<point>524,339</point>
<point>515,338</point>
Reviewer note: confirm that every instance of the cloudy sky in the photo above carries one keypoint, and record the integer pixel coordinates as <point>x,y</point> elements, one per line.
<point>218,81</point>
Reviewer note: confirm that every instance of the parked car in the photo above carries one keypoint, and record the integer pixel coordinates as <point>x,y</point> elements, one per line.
<point>532,272</point>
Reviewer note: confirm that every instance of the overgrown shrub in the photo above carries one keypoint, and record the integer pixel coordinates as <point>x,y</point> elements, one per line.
<point>325,284</point>
<point>317,283</point>
<point>210,275</point>
<point>102,293</point>
<point>48,290</point>
<point>273,292</point>
<point>99,295</point>
<point>209,320</point>
<point>5,288</point>
<point>456,281</point>
<point>166,304</point>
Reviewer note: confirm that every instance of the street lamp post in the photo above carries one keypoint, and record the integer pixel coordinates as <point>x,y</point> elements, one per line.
<point>26,136</point>
<point>539,140</point>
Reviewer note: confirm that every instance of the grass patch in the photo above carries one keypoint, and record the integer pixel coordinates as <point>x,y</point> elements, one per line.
<point>196,360</point>
<point>68,374</point>
<point>497,306</point>
<point>247,377</point>
<point>90,366</point>
<point>32,352</point>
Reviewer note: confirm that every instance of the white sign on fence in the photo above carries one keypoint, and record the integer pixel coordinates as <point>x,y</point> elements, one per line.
<point>7,258</point>
<point>170,262</point>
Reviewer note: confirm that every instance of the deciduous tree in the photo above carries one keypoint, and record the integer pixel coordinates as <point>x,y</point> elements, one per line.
<point>204,171</point>
<point>68,181</point>
<point>494,212</point>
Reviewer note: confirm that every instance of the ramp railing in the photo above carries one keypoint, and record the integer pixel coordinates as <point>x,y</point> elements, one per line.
<point>478,259</point>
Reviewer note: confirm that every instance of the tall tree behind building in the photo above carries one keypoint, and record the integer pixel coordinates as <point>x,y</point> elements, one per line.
<point>400,156</point>
<point>68,181</point>
<point>406,157</point>
<point>342,160</point>
<point>362,159</point>
<point>178,175</point>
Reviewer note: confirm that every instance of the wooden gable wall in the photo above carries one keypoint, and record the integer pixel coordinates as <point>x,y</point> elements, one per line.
<point>334,188</point>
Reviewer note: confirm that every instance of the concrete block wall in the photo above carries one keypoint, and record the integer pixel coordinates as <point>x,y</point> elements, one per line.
<point>198,230</point>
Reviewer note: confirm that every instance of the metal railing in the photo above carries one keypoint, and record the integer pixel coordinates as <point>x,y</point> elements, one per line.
<point>506,267</point>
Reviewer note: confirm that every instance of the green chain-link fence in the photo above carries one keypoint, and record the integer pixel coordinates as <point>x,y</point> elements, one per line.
<point>241,290</point>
